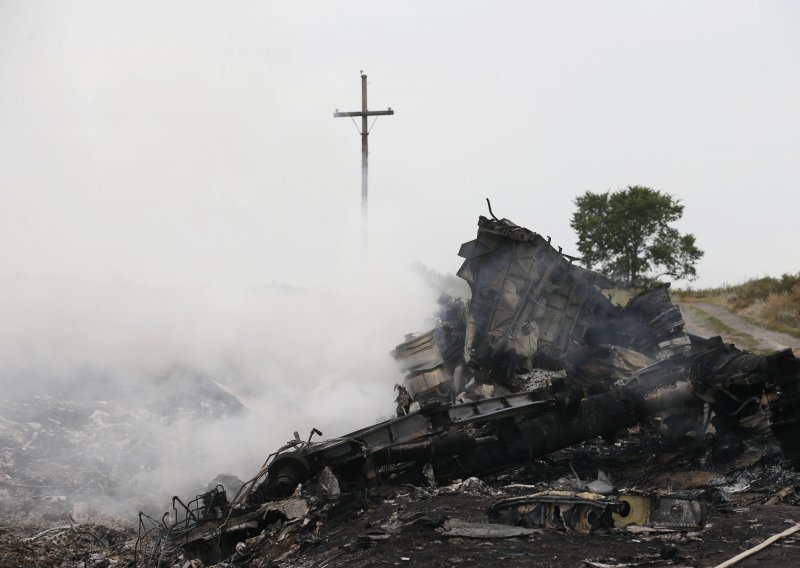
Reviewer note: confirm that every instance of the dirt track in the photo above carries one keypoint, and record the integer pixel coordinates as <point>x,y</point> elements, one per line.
<point>763,339</point>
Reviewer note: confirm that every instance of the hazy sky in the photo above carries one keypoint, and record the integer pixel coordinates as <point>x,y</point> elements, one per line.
<point>186,142</point>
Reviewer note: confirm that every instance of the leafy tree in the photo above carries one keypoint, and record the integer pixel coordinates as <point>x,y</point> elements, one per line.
<point>626,234</point>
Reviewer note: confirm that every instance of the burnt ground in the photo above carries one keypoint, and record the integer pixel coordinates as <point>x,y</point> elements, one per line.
<point>730,530</point>
<point>32,542</point>
<point>736,492</point>
<point>749,496</point>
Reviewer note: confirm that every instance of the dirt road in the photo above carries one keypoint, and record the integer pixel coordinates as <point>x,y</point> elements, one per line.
<point>709,319</point>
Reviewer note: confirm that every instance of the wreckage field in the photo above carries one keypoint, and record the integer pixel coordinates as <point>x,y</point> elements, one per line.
<point>537,424</point>
<point>747,500</point>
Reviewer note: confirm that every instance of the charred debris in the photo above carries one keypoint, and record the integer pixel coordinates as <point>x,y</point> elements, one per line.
<point>538,360</point>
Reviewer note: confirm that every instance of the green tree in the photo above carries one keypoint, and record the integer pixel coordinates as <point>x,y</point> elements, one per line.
<point>626,234</point>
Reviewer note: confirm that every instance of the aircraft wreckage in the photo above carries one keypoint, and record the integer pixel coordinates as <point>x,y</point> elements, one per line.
<point>466,407</point>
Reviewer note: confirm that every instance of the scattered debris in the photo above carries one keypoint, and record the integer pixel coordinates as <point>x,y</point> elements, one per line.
<point>469,486</point>
<point>328,484</point>
<point>586,512</point>
<point>537,371</point>
<point>661,510</point>
<point>457,528</point>
<point>581,512</point>
<point>531,307</point>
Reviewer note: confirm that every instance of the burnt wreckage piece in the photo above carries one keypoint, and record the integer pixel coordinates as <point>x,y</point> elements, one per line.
<point>484,435</point>
<point>532,307</point>
<point>528,300</point>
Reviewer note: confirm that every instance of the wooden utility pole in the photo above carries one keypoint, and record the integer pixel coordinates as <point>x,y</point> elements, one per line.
<point>364,131</point>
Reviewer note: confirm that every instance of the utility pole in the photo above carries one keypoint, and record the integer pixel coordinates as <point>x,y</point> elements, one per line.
<point>364,131</point>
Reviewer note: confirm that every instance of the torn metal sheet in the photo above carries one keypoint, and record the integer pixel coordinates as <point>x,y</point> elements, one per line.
<point>527,299</point>
<point>651,324</point>
<point>585,512</point>
<point>429,385</point>
<point>581,512</point>
<point>418,353</point>
<point>530,306</point>
<point>661,510</point>
<point>432,361</point>
<point>289,509</point>
<point>605,362</point>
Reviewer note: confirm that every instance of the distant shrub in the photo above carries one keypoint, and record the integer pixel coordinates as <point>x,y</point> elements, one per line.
<point>760,289</point>
<point>770,302</point>
<point>783,308</point>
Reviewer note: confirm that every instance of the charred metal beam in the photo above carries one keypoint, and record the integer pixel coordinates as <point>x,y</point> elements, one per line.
<point>481,436</point>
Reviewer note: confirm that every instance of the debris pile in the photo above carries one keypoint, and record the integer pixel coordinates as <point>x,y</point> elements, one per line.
<point>64,452</point>
<point>534,381</point>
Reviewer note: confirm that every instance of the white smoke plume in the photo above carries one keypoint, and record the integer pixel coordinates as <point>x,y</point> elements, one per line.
<point>138,385</point>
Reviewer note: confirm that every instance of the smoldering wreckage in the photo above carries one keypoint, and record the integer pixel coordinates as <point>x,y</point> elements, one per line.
<point>536,410</point>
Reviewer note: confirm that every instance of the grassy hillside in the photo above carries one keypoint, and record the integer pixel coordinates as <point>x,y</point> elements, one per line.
<point>770,302</point>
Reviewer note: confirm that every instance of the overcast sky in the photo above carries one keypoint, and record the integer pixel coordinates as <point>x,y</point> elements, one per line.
<point>174,141</point>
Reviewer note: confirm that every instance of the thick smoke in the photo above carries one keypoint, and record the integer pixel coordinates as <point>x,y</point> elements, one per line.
<point>120,394</point>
